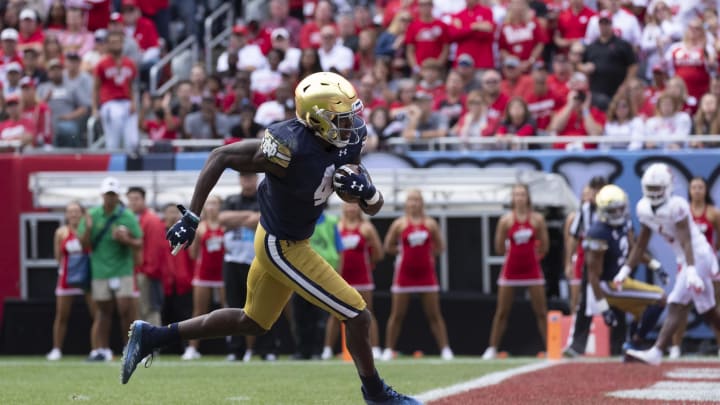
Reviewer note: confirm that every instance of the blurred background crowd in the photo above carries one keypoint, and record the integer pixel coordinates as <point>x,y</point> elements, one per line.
<point>500,69</point>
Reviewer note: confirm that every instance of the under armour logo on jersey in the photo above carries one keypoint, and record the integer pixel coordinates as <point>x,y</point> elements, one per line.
<point>342,152</point>
<point>356,186</point>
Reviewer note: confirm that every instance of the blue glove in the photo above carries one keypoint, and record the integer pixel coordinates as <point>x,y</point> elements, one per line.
<point>356,184</point>
<point>610,318</point>
<point>183,232</point>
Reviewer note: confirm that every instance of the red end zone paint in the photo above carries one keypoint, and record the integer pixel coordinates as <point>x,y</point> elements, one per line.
<point>590,383</point>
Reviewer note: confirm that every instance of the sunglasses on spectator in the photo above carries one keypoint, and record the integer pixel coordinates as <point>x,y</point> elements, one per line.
<point>491,81</point>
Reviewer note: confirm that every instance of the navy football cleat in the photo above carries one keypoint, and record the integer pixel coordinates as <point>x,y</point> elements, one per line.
<point>389,396</point>
<point>137,349</point>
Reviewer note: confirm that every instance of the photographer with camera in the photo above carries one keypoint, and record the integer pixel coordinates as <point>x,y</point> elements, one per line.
<point>577,117</point>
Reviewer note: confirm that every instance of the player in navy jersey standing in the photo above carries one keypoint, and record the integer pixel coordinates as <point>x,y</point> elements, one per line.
<point>607,244</point>
<point>299,158</point>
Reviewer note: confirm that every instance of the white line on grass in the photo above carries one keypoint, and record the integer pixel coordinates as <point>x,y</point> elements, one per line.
<point>484,381</point>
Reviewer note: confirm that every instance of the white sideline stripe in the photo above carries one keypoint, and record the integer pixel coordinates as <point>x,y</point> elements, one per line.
<point>484,381</point>
<point>673,390</point>
<point>695,373</point>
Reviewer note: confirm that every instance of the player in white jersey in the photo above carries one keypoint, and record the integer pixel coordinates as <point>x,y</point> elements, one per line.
<point>660,211</point>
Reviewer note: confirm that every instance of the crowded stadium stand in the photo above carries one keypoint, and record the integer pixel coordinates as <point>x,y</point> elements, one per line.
<point>462,100</point>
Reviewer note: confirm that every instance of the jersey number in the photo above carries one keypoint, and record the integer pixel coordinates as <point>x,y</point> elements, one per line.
<point>624,250</point>
<point>326,186</point>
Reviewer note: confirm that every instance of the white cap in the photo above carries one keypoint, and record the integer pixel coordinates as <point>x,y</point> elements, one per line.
<point>110,185</point>
<point>10,34</point>
<point>13,67</point>
<point>280,32</point>
<point>28,13</point>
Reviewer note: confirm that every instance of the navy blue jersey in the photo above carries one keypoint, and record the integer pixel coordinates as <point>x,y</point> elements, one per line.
<point>290,206</point>
<point>613,241</point>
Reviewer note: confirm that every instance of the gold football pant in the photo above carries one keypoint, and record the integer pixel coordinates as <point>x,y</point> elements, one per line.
<point>282,267</point>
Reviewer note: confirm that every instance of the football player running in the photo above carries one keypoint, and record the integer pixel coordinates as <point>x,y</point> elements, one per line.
<point>299,158</point>
<point>669,215</point>
<point>606,246</point>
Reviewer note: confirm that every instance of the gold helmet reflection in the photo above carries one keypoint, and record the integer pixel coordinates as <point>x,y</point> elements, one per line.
<point>612,205</point>
<point>328,103</point>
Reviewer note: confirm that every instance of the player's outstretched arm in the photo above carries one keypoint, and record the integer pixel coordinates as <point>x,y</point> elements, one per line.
<point>639,247</point>
<point>245,156</point>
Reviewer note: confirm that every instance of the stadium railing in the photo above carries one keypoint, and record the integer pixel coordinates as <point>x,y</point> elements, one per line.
<point>181,59</point>
<point>224,11</point>
<point>435,144</point>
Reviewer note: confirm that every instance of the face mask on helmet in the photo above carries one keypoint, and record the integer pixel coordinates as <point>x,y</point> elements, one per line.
<point>340,129</point>
<point>612,205</point>
<point>657,184</point>
<point>614,215</point>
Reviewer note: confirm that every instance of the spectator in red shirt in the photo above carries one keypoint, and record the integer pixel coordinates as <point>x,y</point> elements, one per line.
<point>30,33</point>
<point>158,11</point>
<point>521,35</point>
<point>15,127</point>
<point>577,117</point>
<point>677,88</point>
<point>9,52</point>
<point>571,24</point>
<point>36,112</point>
<point>517,122</point>
<point>473,29</point>
<point>693,59</point>
<point>177,276</point>
<point>310,33</point>
<point>144,32</point>
<point>365,54</point>
<point>158,125</point>
<point>98,14</point>
<point>368,92</point>
<point>542,101</point>
<point>431,78</point>
<point>494,99</point>
<point>149,273</point>
<point>558,80</point>
<point>426,37</point>
<point>280,18</point>
<point>514,83</point>
<point>112,96</point>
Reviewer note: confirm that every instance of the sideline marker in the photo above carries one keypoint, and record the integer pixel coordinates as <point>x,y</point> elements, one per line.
<point>345,353</point>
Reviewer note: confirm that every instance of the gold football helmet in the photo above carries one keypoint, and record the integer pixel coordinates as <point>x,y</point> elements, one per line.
<point>328,103</point>
<point>612,205</point>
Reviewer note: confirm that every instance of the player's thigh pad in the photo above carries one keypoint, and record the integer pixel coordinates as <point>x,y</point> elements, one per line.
<point>705,300</point>
<point>296,265</point>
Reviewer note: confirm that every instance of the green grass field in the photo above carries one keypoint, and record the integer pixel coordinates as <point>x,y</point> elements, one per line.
<point>32,380</point>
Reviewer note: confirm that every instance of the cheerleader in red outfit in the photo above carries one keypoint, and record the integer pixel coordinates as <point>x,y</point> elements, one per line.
<point>208,250</point>
<point>362,249</point>
<point>522,236</point>
<point>416,240</point>
<point>66,243</point>
<point>707,218</point>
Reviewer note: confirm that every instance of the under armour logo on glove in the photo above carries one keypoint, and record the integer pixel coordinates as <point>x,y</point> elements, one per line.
<point>183,232</point>
<point>356,186</point>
